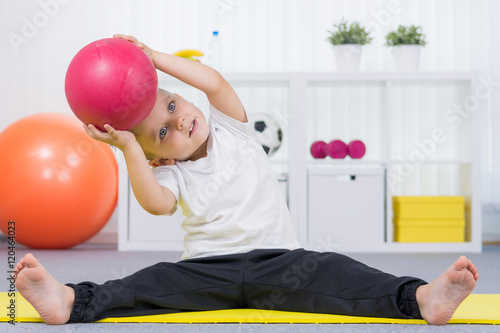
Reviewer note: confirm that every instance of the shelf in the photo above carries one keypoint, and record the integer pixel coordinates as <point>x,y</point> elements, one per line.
<point>465,247</point>
<point>395,112</point>
<point>389,110</point>
<point>339,162</point>
<point>434,161</point>
<point>332,162</point>
<point>388,76</point>
<point>242,77</point>
<point>340,76</point>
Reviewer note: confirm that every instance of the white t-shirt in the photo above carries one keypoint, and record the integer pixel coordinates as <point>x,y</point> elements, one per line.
<point>230,199</point>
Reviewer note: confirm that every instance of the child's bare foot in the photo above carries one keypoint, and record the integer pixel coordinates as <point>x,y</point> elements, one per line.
<point>439,299</point>
<point>50,298</point>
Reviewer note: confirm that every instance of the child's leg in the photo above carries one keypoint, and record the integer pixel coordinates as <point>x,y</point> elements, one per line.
<point>198,284</point>
<point>202,284</point>
<point>332,283</point>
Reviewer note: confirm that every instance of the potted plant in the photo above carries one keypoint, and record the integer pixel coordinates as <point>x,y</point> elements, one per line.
<point>347,40</point>
<point>406,43</point>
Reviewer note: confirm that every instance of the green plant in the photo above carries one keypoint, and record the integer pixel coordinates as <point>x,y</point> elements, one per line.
<point>411,35</point>
<point>349,34</point>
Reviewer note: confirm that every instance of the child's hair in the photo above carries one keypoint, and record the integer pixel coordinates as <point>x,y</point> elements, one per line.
<point>161,90</point>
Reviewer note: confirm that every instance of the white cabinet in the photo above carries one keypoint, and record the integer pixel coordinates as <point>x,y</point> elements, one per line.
<point>346,206</point>
<point>139,230</point>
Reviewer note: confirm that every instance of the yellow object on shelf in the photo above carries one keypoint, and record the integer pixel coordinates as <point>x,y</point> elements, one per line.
<point>429,231</point>
<point>189,54</point>
<point>438,207</point>
<point>429,219</point>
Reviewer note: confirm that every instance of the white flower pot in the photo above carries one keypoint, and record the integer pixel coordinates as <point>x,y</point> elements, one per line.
<point>406,57</point>
<point>347,57</point>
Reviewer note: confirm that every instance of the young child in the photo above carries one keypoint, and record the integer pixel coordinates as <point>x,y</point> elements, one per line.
<point>241,251</point>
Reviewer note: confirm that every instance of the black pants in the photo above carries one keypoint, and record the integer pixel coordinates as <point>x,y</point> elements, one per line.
<point>297,280</point>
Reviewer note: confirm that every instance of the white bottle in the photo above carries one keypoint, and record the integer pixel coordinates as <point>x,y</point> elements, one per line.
<point>214,54</point>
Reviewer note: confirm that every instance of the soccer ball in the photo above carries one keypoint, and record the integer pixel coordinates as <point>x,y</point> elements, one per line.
<point>268,131</point>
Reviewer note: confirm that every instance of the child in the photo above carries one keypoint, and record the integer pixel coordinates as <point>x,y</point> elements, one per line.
<point>241,251</point>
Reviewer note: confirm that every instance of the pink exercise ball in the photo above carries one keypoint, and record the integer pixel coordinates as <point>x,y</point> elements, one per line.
<point>111,81</point>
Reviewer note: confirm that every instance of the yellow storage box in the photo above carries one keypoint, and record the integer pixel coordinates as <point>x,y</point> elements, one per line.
<point>429,231</point>
<point>439,207</point>
<point>429,219</point>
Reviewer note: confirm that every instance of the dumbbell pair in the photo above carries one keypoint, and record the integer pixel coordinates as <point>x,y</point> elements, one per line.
<point>338,149</point>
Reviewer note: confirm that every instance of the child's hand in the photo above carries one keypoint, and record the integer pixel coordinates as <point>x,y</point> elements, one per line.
<point>119,139</point>
<point>134,40</point>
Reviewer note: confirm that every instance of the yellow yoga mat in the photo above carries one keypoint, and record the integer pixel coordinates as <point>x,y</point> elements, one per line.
<point>476,309</point>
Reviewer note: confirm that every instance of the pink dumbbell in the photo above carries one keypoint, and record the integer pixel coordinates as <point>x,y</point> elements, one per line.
<point>337,149</point>
<point>356,149</point>
<point>319,149</point>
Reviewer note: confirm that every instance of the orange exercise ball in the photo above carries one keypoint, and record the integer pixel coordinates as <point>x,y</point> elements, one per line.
<point>58,186</point>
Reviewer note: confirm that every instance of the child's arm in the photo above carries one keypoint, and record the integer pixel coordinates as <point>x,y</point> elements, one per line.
<point>155,199</point>
<point>219,92</point>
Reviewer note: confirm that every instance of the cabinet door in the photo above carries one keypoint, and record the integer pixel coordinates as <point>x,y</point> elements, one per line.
<point>144,227</point>
<point>346,207</point>
<point>150,228</point>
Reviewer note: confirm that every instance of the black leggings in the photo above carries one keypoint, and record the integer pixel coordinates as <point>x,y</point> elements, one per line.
<point>297,280</point>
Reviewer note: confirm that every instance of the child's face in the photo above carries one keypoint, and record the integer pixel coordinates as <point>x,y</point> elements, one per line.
<point>175,130</point>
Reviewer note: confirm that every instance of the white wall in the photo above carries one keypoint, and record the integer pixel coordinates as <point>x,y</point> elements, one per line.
<point>40,37</point>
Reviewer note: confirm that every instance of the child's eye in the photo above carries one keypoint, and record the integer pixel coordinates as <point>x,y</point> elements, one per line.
<point>163,132</point>
<point>171,107</point>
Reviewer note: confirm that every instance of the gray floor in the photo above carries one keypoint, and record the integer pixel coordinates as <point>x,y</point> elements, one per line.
<point>103,263</point>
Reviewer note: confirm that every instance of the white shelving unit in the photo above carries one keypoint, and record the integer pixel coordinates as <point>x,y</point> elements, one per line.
<point>464,164</point>
<point>387,151</point>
